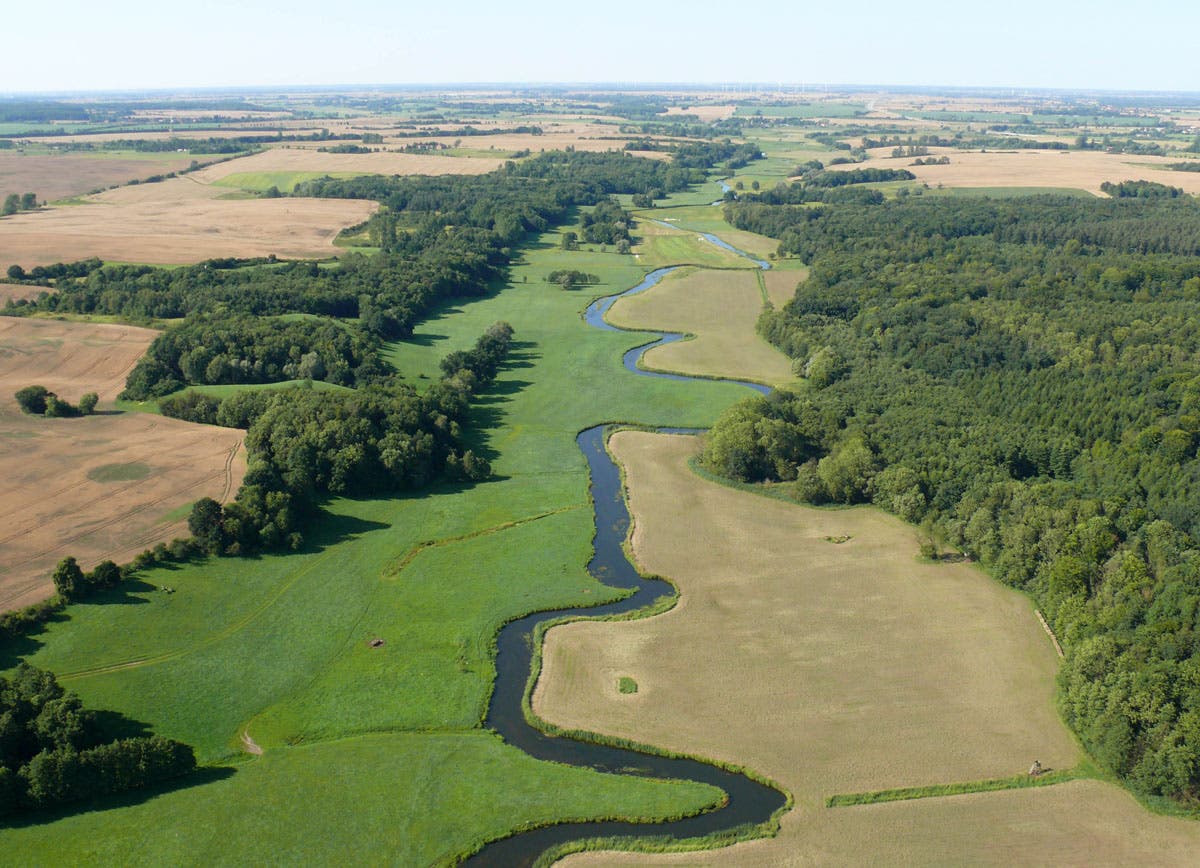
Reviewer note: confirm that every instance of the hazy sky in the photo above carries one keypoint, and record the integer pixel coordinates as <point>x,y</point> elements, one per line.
<point>139,44</point>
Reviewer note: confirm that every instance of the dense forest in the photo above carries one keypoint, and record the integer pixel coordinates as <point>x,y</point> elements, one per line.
<point>1022,378</point>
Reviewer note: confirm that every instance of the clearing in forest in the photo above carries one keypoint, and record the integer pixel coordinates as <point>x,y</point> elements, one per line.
<point>838,668</point>
<point>720,308</point>
<point>99,487</point>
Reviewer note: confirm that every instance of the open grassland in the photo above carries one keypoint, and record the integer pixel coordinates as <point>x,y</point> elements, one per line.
<point>658,245</point>
<point>278,646</point>
<point>176,221</point>
<point>362,801</point>
<point>312,162</point>
<point>60,175</point>
<point>103,486</point>
<point>720,308</point>
<point>1083,170</point>
<point>710,218</point>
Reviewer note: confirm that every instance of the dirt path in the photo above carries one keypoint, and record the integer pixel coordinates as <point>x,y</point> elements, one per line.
<point>249,745</point>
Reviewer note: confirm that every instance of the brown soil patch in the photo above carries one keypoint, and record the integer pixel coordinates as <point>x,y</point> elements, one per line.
<point>721,309</point>
<point>1083,170</point>
<point>838,669</point>
<point>57,176</point>
<point>177,221</point>
<point>297,159</point>
<point>49,505</point>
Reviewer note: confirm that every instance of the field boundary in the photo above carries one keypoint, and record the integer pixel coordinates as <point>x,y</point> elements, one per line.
<point>1016,782</point>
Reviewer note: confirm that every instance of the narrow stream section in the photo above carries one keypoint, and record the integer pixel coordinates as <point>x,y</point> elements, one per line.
<point>748,801</point>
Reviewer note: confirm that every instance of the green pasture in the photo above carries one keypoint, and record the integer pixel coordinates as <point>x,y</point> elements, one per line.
<point>376,754</point>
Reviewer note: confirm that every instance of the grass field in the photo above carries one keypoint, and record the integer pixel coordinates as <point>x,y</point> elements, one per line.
<point>780,285</point>
<point>838,669</point>
<point>659,245</point>
<point>720,308</point>
<point>709,218</point>
<point>433,575</point>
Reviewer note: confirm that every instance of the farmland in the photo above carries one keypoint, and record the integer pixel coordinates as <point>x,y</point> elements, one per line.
<point>102,487</point>
<point>337,692</point>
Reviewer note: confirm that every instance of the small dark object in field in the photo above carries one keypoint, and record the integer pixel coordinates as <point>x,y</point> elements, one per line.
<point>376,643</point>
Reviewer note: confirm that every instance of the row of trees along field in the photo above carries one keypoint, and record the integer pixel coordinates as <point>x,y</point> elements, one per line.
<point>1022,378</point>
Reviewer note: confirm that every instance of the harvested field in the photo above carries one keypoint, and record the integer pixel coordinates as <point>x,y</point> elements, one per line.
<point>781,284</point>
<point>66,357</point>
<point>57,176</point>
<point>720,308</point>
<point>177,221</point>
<point>1084,170</point>
<point>706,113</point>
<point>18,291</point>
<point>1078,823</point>
<point>381,163</point>
<point>832,669</point>
<point>104,486</point>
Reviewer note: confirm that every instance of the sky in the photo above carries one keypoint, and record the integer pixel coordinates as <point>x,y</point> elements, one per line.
<point>73,45</point>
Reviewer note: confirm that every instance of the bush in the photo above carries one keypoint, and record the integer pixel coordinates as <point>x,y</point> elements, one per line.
<point>33,399</point>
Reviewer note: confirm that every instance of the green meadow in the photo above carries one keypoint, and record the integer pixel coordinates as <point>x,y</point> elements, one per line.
<point>378,751</point>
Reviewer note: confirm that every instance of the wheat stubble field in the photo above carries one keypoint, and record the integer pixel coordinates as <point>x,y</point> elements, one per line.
<point>100,487</point>
<point>837,668</point>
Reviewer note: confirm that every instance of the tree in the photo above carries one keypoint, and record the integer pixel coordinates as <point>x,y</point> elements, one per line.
<point>87,403</point>
<point>570,241</point>
<point>12,204</point>
<point>106,575</point>
<point>847,471</point>
<point>29,201</point>
<point>205,523</point>
<point>16,272</point>
<point>68,578</point>
<point>33,399</point>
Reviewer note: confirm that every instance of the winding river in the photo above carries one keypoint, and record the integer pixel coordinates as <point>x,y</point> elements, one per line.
<point>748,801</point>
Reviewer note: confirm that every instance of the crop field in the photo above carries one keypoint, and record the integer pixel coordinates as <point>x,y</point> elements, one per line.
<point>1084,822</point>
<point>58,176</point>
<point>176,221</point>
<point>1084,170</point>
<point>103,486</point>
<point>720,308</point>
<point>18,291</point>
<point>313,163</point>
